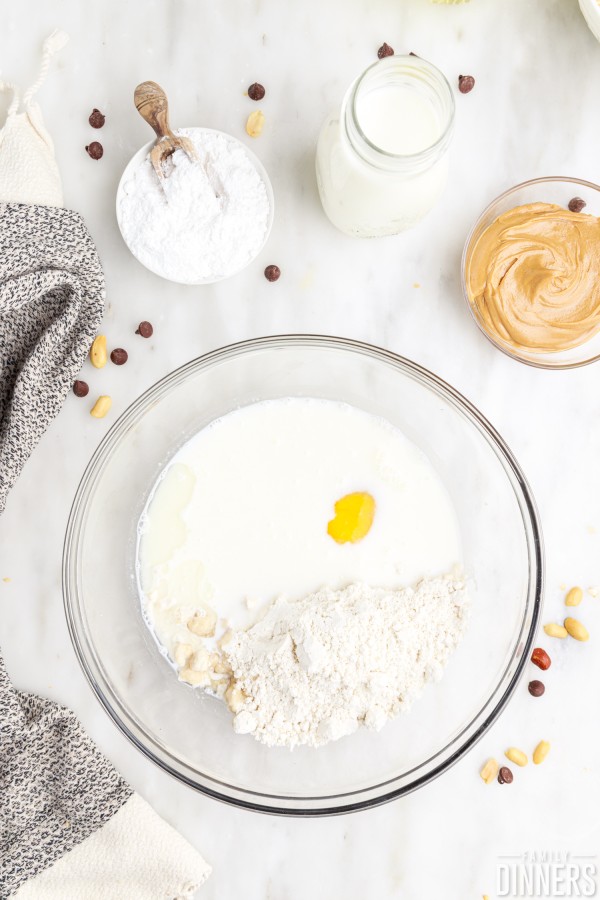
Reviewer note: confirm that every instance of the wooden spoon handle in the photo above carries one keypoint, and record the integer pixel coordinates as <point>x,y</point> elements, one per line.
<point>152,104</point>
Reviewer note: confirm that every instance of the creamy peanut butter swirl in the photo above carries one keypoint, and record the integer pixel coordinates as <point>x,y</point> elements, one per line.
<point>534,277</point>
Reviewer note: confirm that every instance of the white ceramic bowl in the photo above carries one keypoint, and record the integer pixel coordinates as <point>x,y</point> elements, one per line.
<point>137,158</point>
<point>591,14</point>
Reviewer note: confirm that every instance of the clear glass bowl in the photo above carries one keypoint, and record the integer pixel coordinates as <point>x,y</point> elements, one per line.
<point>188,733</point>
<point>540,190</point>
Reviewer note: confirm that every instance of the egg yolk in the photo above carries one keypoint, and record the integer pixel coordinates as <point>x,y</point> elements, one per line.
<point>353,518</point>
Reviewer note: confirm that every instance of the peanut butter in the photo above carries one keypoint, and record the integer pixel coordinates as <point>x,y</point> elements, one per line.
<point>533,276</point>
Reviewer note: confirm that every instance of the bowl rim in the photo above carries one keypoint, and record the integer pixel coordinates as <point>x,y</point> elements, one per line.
<point>258,165</point>
<point>545,361</point>
<point>254,800</point>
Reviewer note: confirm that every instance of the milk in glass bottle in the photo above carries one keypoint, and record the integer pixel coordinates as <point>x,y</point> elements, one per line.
<point>382,161</point>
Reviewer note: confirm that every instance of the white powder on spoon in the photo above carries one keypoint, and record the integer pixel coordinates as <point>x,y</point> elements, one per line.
<point>315,669</point>
<point>206,220</point>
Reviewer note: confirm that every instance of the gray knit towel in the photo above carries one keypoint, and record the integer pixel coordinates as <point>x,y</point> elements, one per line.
<point>70,827</point>
<point>55,787</point>
<point>51,304</point>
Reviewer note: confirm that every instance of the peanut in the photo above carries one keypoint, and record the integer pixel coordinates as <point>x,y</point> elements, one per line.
<point>203,622</point>
<point>576,629</point>
<point>554,630</point>
<point>541,752</point>
<point>182,653</point>
<point>101,407</point>
<point>200,662</point>
<point>574,597</point>
<point>489,771</point>
<point>516,756</point>
<point>234,697</point>
<point>98,355</point>
<point>541,659</point>
<point>255,123</point>
<point>194,678</point>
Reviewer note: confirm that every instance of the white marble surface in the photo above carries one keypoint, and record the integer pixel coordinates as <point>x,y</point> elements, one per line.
<point>534,112</point>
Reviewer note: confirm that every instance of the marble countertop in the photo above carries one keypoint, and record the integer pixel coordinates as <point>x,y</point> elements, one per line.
<point>533,112</point>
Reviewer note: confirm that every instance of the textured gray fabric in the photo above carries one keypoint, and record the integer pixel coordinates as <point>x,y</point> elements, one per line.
<point>56,788</point>
<point>51,304</point>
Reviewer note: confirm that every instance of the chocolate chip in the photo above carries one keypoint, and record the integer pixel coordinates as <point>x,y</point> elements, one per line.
<point>119,356</point>
<point>145,329</point>
<point>385,50</point>
<point>505,776</point>
<point>97,119</point>
<point>81,388</point>
<point>95,150</point>
<point>577,204</point>
<point>272,273</point>
<point>466,83</point>
<point>256,91</point>
<point>536,688</point>
<point>413,54</point>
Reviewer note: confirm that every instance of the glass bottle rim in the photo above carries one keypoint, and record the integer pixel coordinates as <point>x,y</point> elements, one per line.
<point>376,156</point>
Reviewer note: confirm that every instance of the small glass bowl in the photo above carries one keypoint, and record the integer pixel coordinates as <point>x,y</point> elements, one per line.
<point>539,190</point>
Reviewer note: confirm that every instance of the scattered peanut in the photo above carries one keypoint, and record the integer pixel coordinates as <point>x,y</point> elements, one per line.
<point>234,697</point>
<point>101,407</point>
<point>255,123</point>
<point>194,678</point>
<point>200,661</point>
<point>182,653</point>
<point>576,629</point>
<point>554,630</point>
<point>516,756</point>
<point>574,597</point>
<point>222,668</point>
<point>540,658</point>
<point>203,622</point>
<point>541,752</point>
<point>489,771</point>
<point>98,355</point>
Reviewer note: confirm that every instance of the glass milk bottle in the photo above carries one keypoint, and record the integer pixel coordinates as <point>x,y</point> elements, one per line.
<point>382,161</point>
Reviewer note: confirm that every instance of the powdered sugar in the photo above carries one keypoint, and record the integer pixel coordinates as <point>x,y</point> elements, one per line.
<point>315,669</point>
<point>206,220</point>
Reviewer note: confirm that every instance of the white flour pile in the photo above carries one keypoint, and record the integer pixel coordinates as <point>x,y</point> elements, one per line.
<point>315,669</point>
<point>205,220</point>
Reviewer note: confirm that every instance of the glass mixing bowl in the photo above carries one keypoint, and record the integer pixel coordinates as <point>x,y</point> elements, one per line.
<point>188,733</point>
<point>540,190</point>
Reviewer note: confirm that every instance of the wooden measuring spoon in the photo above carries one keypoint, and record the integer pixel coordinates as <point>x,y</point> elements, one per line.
<point>152,104</point>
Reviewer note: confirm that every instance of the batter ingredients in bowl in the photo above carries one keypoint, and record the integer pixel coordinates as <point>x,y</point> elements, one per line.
<point>533,276</point>
<point>313,670</point>
<point>277,558</point>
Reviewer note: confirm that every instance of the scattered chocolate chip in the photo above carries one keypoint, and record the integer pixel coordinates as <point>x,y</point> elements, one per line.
<point>81,388</point>
<point>256,91</point>
<point>466,83</point>
<point>536,688</point>
<point>144,329</point>
<point>505,776</point>
<point>97,119</point>
<point>577,204</point>
<point>95,150</point>
<point>272,273</point>
<point>385,50</point>
<point>413,54</point>
<point>119,356</point>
